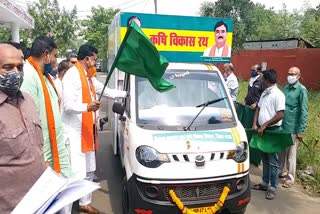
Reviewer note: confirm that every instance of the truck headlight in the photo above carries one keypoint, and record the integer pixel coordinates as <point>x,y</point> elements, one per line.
<point>240,154</point>
<point>150,157</point>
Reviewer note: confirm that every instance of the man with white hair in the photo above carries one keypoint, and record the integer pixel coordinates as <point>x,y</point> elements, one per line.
<point>231,80</point>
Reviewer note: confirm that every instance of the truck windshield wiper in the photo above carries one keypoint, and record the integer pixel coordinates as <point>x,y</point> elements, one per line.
<point>203,105</point>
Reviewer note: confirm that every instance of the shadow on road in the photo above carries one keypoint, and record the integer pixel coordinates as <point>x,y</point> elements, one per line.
<point>109,175</point>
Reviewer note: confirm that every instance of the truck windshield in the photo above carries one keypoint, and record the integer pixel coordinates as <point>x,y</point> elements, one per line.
<point>177,107</point>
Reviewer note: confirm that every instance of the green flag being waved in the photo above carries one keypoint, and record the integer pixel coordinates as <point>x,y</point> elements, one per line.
<point>138,56</point>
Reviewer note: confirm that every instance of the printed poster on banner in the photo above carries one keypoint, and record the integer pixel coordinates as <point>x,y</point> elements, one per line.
<point>185,38</point>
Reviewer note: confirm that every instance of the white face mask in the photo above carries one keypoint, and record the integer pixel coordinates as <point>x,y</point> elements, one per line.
<point>292,79</point>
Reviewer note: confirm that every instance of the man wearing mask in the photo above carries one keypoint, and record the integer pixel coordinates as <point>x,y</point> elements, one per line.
<point>255,87</point>
<point>294,122</point>
<point>268,116</point>
<point>231,80</point>
<point>21,154</point>
<point>38,83</point>
<point>79,109</point>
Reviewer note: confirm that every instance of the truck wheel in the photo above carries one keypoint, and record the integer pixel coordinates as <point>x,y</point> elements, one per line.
<point>125,197</point>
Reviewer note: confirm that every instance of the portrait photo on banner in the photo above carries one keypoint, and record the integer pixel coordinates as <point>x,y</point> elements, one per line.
<point>221,48</point>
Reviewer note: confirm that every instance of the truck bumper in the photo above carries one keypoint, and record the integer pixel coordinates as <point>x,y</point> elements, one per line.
<point>148,198</point>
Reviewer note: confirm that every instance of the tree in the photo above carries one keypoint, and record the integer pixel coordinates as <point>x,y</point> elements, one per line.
<point>241,11</point>
<point>5,35</point>
<point>49,18</point>
<point>272,25</point>
<point>95,28</point>
<point>310,26</point>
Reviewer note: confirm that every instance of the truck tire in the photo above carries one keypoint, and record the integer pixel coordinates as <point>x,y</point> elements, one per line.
<point>125,197</point>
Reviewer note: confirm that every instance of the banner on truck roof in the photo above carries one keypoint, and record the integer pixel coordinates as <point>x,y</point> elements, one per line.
<point>185,38</point>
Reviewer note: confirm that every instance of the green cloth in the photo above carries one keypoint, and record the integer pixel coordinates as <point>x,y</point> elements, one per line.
<point>245,115</point>
<point>296,113</point>
<point>272,141</point>
<point>32,85</point>
<point>138,56</point>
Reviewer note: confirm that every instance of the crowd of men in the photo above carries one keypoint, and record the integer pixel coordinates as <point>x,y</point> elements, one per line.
<point>49,116</point>
<point>285,110</point>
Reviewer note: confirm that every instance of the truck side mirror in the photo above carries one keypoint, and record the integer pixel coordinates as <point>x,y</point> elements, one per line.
<point>118,108</point>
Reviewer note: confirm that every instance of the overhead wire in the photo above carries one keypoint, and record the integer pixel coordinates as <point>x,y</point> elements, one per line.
<point>147,1</point>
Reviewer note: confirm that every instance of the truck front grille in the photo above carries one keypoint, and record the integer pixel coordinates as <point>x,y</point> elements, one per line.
<point>196,191</point>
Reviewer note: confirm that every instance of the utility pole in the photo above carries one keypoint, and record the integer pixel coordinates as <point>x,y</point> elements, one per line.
<point>155,7</point>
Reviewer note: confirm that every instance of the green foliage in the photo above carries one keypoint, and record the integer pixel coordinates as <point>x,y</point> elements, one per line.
<point>310,26</point>
<point>241,11</point>
<point>50,19</point>
<point>272,25</point>
<point>95,28</point>
<point>5,35</point>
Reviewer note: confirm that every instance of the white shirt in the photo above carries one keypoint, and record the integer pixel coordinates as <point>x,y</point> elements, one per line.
<point>58,84</point>
<point>217,53</point>
<point>271,101</point>
<point>72,109</point>
<point>233,85</point>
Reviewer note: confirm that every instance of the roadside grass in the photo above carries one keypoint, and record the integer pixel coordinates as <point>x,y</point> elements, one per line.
<point>309,150</point>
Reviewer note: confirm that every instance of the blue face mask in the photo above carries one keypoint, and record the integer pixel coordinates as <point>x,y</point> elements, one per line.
<point>253,73</point>
<point>47,69</point>
<point>53,73</point>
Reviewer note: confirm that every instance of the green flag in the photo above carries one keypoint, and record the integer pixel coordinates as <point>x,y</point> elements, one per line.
<point>138,56</point>
<point>271,141</point>
<point>245,115</point>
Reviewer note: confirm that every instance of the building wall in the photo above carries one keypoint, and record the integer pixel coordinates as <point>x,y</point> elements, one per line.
<point>308,60</point>
<point>267,45</point>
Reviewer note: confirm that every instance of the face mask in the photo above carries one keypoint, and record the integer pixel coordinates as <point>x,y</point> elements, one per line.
<point>292,79</point>
<point>253,74</point>
<point>53,73</point>
<point>92,71</point>
<point>47,69</point>
<point>10,82</point>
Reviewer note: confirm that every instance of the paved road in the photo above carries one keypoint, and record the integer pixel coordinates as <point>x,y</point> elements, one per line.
<point>108,198</point>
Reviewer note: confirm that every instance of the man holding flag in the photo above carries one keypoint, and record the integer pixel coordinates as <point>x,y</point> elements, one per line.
<point>268,116</point>
<point>79,108</point>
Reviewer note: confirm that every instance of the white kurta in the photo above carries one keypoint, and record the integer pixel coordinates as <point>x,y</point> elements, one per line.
<point>72,108</point>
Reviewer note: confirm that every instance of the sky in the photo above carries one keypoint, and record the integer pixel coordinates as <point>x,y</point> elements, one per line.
<point>180,7</point>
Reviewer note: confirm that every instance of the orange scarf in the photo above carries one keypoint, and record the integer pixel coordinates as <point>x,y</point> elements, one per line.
<point>50,116</point>
<point>225,51</point>
<point>88,129</point>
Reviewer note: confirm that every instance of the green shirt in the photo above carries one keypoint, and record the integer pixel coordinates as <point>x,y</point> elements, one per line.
<point>32,85</point>
<point>296,113</point>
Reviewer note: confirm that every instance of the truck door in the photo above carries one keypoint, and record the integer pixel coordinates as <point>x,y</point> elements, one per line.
<point>125,119</point>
